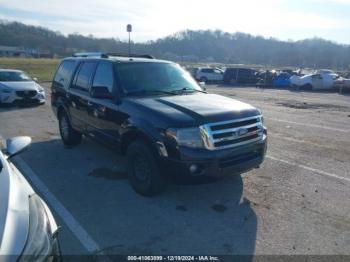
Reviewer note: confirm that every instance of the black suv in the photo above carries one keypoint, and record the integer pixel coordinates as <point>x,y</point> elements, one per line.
<point>155,112</point>
<point>240,76</point>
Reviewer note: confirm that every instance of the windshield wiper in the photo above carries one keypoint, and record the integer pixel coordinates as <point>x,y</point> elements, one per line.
<point>184,89</point>
<point>141,92</point>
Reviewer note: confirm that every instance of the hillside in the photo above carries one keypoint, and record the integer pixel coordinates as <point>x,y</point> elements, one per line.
<point>189,45</point>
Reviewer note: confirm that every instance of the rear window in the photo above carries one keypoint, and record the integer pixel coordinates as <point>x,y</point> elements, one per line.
<point>64,74</point>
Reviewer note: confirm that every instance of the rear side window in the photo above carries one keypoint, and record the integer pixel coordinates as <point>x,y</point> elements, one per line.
<point>64,74</point>
<point>83,77</point>
<point>207,70</point>
<point>104,76</point>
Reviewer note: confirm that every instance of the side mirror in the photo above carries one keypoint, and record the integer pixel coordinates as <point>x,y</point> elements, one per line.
<point>101,92</point>
<point>35,79</point>
<point>16,145</point>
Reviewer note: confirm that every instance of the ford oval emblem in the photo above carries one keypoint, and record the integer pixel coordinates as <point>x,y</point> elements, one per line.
<point>242,131</point>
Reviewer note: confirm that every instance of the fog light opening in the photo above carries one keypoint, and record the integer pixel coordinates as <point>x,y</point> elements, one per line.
<point>195,169</point>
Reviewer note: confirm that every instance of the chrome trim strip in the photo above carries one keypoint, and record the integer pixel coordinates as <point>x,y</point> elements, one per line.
<point>233,138</point>
<point>241,143</point>
<point>221,131</point>
<point>233,121</point>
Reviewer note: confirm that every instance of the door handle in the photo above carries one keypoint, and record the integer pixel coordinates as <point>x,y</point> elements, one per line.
<point>89,103</point>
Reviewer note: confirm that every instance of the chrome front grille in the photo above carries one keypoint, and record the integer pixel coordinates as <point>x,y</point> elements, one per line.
<point>232,133</point>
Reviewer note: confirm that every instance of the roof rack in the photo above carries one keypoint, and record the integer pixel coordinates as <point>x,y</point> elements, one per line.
<point>106,55</point>
<point>90,54</point>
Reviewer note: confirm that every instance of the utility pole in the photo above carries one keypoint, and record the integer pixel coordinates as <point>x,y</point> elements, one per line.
<point>129,30</point>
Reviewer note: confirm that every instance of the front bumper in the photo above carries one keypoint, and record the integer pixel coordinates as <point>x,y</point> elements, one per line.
<point>13,98</point>
<point>217,163</point>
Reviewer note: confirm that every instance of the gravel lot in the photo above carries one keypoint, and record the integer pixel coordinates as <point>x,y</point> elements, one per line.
<point>297,202</point>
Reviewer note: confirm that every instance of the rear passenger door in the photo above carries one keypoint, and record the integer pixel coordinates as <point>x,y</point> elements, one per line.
<point>78,95</point>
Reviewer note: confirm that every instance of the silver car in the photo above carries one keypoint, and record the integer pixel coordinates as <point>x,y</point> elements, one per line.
<point>28,231</point>
<point>16,87</point>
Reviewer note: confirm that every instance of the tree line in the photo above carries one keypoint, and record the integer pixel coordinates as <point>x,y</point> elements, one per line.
<point>189,45</point>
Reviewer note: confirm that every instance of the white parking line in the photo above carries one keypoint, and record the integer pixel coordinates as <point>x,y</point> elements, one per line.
<point>310,125</point>
<point>314,170</point>
<point>81,234</point>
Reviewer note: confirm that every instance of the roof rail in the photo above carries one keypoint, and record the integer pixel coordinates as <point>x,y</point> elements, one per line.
<point>130,55</point>
<point>106,55</point>
<point>90,54</point>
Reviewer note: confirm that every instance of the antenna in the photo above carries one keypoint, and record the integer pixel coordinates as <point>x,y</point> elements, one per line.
<point>129,30</point>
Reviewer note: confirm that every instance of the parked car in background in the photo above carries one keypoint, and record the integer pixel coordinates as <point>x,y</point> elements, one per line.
<point>16,87</point>
<point>240,76</point>
<point>28,231</point>
<point>208,74</point>
<point>265,78</point>
<point>321,80</point>
<point>192,71</point>
<point>157,115</point>
<point>281,80</point>
<point>341,83</point>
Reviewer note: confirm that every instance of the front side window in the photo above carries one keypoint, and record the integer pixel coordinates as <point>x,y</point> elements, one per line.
<point>148,77</point>
<point>104,76</point>
<point>13,76</point>
<point>84,76</point>
<point>64,73</point>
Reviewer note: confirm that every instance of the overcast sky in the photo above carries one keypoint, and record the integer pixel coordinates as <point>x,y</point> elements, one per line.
<point>152,19</point>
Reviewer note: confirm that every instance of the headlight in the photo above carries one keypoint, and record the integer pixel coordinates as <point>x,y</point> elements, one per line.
<point>189,137</point>
<point>40,89</point>
<point>40,242</point>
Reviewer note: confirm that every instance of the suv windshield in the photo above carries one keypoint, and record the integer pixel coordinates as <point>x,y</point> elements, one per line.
<point>155,78</point>
<point>10,76</point>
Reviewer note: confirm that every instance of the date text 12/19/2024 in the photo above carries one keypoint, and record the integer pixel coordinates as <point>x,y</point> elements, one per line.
<point>173,258</point>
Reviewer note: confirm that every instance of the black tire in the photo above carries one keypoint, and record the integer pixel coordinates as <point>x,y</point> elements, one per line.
<point>233,81</point>
<point>143,170</point>
<point>69,136</point>
<point>203,79</point>
<point>308,87</point>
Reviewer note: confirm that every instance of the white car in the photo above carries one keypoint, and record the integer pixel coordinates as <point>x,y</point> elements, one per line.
<point>323,79</point>
<point>16,87</point>
<point>209,74</point>
<point>28,231</point>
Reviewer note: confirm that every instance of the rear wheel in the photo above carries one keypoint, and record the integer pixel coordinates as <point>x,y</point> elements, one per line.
<point>143,170</point>
<point>69,136</point>
<point>203,79</point>
<point>233,81</point>
<point>307,87</point>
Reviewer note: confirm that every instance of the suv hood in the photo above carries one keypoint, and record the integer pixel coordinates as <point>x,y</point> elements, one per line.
<point>196,109</point>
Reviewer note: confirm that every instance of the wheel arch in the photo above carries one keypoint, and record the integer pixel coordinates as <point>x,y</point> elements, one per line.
<point>133,135</point>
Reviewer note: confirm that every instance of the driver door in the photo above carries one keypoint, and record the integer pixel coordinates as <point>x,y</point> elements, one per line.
<point>317,81</point>
<point>103,112</point>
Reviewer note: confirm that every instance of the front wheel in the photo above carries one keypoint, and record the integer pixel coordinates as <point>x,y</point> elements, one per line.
<point>143,170</point>
<point>69,136</point>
